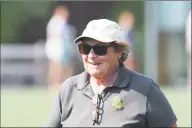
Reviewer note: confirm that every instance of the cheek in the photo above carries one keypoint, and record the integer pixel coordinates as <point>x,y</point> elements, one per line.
<point>108,63</point>
<point>85,61</point>
<point>112,57</point>
<point>84,58</point>
<point>112,60</point>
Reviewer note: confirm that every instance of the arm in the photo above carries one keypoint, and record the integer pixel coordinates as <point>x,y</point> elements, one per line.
<point>159,111</point>
<point>54,119</point>
<point>62,105</point>
<point>174,125</point>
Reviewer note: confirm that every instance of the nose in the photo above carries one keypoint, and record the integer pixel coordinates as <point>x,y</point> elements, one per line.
<point>91,54</point>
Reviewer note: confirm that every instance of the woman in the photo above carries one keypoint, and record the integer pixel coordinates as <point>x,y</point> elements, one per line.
<point>107,93</point>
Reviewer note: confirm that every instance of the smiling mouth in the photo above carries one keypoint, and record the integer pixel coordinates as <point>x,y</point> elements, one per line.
<point>94,63</point>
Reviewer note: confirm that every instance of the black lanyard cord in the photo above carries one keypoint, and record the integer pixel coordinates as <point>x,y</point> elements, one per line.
<point>99,98</point>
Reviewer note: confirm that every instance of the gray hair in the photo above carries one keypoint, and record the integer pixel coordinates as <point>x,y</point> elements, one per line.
<point>124,56</point>
<point>125,51</point>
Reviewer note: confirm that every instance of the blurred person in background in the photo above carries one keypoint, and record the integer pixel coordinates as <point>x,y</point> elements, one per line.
<point>60,36</point>
<point>107,93</point>
<point>126,21</point>
<point>188,46</point>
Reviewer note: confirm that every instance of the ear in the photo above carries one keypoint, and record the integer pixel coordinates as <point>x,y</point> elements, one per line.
<point>120,54</point>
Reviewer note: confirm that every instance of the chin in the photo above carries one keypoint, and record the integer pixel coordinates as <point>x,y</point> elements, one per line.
<point>96,73</point>
<point>99,71</point>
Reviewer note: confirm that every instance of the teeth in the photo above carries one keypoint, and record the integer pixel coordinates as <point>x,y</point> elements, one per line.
<point>94,63</point>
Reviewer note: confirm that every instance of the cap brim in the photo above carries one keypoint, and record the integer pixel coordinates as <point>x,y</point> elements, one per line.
<point>105,40</point>
<point>78,39</point>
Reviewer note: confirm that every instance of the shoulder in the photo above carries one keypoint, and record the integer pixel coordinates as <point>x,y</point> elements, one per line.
<point>142,83</point>
<point>146,86</point>
<point>70,83</point>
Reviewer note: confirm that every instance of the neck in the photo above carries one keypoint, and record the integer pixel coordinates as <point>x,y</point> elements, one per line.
<point>106,80</point>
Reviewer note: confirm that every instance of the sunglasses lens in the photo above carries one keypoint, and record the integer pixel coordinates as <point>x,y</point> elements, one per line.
<point>84,49</point>
<point>100,50</point>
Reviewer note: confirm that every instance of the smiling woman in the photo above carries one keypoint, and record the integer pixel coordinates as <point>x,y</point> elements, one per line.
<point>107,90</point>
<point>100,59</point>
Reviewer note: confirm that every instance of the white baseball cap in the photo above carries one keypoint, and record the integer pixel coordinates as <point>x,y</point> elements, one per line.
<point>103,30</point>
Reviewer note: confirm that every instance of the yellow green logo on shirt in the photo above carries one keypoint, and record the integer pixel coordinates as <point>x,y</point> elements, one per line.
<point>117,103</point>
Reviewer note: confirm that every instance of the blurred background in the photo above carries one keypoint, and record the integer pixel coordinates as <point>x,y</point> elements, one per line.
<point>156,32</point>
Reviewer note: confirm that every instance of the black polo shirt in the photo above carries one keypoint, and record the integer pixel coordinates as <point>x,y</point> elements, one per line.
<point>142,103</point>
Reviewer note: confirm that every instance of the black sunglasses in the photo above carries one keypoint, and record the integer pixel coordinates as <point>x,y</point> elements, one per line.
<point>100,50</point>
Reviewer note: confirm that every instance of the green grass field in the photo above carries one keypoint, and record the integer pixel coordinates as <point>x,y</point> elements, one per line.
<point>30,107</point>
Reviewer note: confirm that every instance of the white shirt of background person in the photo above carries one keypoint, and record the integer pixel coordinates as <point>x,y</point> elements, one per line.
<point>54,38</point>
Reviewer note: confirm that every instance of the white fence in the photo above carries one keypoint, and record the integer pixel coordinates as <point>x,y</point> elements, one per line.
<point>23,64</point>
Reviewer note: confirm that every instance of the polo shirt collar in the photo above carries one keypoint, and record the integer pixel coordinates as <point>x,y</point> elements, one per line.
<point>123,77</point>
<point>121,81</point>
